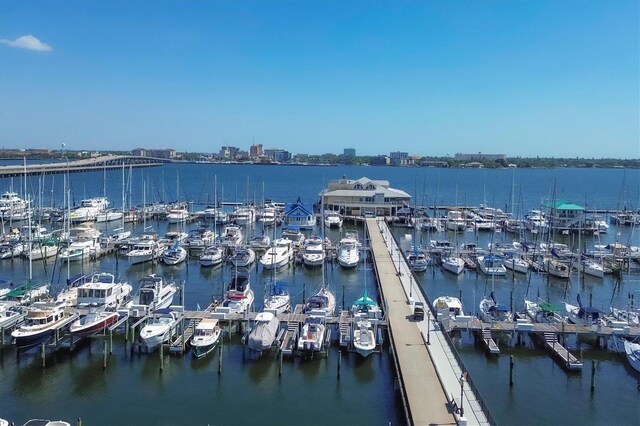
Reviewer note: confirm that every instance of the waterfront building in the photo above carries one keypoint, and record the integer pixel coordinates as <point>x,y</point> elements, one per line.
<point>564,216</point>
<point>256,151</point>
<point>228,152</point>
<point>168,153</point>
<point>364,195</point>
<point>299,214</point>
<point>277,154</point>
<point>349,152</point>
<point>399,158</point>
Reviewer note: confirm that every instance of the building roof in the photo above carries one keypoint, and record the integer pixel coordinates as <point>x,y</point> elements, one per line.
<point>563,205</point>
<point>363,187</point>
<point>298,209</point>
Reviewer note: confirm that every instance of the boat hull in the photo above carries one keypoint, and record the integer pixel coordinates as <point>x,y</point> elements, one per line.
<point>94,327</point>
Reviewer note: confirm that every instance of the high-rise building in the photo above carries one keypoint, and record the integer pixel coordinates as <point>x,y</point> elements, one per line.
<point>256,151</point>
<point>349,152</point>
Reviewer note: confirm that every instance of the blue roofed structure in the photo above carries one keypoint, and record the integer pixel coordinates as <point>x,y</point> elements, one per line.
<point>299,214</point>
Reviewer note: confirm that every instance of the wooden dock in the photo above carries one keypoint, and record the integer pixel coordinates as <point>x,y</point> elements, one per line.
<point>560,353</point>
<point>490,344</point>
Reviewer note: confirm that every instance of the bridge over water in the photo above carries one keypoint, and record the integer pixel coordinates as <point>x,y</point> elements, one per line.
<point>105,162</point>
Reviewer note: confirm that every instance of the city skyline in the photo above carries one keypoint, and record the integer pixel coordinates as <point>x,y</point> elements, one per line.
<point>530,78</point>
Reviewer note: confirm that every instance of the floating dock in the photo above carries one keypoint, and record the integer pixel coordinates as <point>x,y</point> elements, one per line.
<point>562,354</point>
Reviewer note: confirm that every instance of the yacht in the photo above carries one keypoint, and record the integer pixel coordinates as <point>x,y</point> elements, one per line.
<point>13,208</point>
<point>40,325</point>
<point>294,235</point>
<point>264,332</point>
<point>516,264</point>
<point>174,254</point>
<point>83,244</point>
<point>277,298</point>
<point>212,256</point>
<point>159,329</point>
<point>447,307</point>
<point>348,251</point>
<point>332,219</point>
<point>418,261</point>
<point>110,215</point>
<point>199,239</point>
<point>280,253</point>
<point>93,322</point>
<point>205,337</point>
<point>177,215</point>
<point>146,249</point>
<point>543,312</point>
<point>89,210</point>
<point>268,216</point>
<point>536,222</point>
<point>102,290</point>
<point>491,264</point>
<point>231,236</point>
<point>313,252</point>
<point>245,216</point>
<point>455,221</point>
<point>239,296</point>
<point>260,242</point>
<point>153,294</point>
<point>243,257</point>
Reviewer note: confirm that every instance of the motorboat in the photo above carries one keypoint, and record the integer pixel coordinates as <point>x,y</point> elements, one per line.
<point>279,254</point>
<point>492,311</point>
<point>491,264</point>
<point>536,222</point>
<point>11,313</point>
<point>626,315</point>
<point>431,224</point>
<point>11,249</point>
<point>110,215</point>
<point>364,338</point>
<point>348,251</point>
<point>632,350</point>
<point>264,332</point>
<point>239,296</point>
<point>277,298</point>
<point>159,329</point>
<point>146,249</point>
<point>89,210</point>
<point>516,264</point>
<point>180,214</point>
<point>153,294</point>
<point>93,322</point>
<point>212,255</point>
<point>268,216</point>
<point>455,221</point>
<point>333,219</point>
<point>260,242</point>
<point>205,337</point>
<point>543,312</point>
<point>199,239</point>
<point>13,208</point>
<point>83,244</point>
<point>293,234</point>
<point>40,324</point>
<point>418,261</point>
<point>175,254</point>
<point>245,215</point>
<point>101,289</point>
<point>231,236</point>
<point>447,307</point>
<point>453,264</point>
<point>311,338</point>
<point>243,257</point>
<point>68,296</point>
<point>313,252</point>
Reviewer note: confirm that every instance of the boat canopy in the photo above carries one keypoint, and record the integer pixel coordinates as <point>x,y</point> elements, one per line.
<point>548,307</point>
<point>499,308</point>
<point>365,300</point>
<point>279,288</point>
<point>317,302</point>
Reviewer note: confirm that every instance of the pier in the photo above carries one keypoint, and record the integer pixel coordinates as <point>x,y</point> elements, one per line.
<point>105,162</point>
<point>431,379</point>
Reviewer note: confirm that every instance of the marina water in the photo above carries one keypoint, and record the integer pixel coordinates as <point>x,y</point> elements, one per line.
<point>133,390</point>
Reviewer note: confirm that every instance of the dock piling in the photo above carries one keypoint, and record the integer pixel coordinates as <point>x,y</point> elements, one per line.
<point>220,359</point>
<point>79,421</point>
<point>339,362</point>
<point>104,355</point>
<point>161,357</point>
<point>44,355</point>
<point>280,367</point>
<point>511,370</point>
<point>593,376</point>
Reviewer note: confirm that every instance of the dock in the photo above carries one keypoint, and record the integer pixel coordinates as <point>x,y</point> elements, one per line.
<point>491,345</point>
<point>424,367</point>
<point>561,353</point>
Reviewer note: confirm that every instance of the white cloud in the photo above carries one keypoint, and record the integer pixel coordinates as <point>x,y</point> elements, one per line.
<point>28,42</point>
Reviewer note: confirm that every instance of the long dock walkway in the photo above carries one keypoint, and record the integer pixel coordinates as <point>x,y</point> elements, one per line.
<point>426,403</point>
<point>430,373</point>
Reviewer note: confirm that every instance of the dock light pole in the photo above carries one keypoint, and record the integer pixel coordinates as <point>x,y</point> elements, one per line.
<point>428,326</point>
<point>463,378</point>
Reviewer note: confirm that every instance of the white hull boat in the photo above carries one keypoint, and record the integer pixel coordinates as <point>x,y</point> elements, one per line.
<point>205,337</point>
<point>159,329</point>
<point>264,332</point>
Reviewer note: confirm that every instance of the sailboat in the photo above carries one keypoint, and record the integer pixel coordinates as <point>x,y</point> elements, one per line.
<point>492,311</point>
<point>632,350</point>
<point>366,313</point>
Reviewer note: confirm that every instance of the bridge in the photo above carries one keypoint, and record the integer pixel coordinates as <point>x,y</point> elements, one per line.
<point>104,162</point>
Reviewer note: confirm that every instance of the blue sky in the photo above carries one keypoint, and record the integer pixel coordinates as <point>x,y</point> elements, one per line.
<point>524,78</point>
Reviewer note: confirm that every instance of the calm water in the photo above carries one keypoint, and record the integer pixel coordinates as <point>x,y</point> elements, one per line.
<point>249,391</point>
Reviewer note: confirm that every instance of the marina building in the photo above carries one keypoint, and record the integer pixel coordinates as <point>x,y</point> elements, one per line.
<point>362,196</point>
<point>564,216</point>
<point>299,214</point>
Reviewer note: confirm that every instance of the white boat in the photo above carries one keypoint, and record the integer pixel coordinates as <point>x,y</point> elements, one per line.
<point>556,268</point>
<point>243,257</point>
<point>516,264</point>
<point>11,313</point>
<point>39,325</point>
<point>11,249</point>
<point>313,252</point>
<point>455,221</point>
<point>239,296</point>
<point>245,216</point>
<point>109,216</point>
<point>205,337</point>
<point>13,208</point>
<point>178,215</point>
<point>212,256</point>
<point>453,264</point>
<point>268,216</point>
<point>447,307</point>
<point>153,294</point>
<point>175,254</point>
<point>101,289</point>
<point>323,301</point>
<point>364,338</point>
<point>199,239</point>
<point>491,264</point>
<point>536,222</point>
<point>159,329</point>
<point>93,322</point>
<point>332,219</point>
<point>279,254</point>
<point>417,260</point>
<point>231,236</point>
<point>632,350</point>
<point>311,338</point>
<point>146,249</point>
<point>294,234</point>
<point>626,315</point>
<point>277,297</point>
<point>89,210</point>
<point>348,251</point>
<point>583,315</point>
<point>260,242</point>
<point>492,311</point>
<point>264,332</point>
<point>366,307</point>
<point>83,244</point>
<point>431,224</point>
<point>43,250</point>
<point>589,267</point>
<point>543,312</point>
